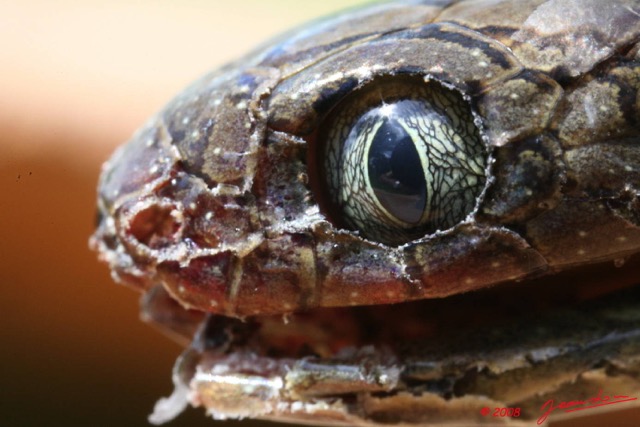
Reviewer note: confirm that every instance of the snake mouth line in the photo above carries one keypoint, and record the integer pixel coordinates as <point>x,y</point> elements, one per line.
<point>459,352</point>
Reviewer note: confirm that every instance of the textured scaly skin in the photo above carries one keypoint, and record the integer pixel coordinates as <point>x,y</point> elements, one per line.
<point>216,197</point>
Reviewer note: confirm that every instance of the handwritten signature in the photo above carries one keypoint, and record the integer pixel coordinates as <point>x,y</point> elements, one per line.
<point>578,405</point>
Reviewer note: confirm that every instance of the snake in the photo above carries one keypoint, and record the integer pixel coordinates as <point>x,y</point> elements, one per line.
<point>411,213</point>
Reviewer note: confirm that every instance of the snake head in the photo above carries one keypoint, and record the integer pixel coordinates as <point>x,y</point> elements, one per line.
<point>385,167</point>
<point>401,152</point>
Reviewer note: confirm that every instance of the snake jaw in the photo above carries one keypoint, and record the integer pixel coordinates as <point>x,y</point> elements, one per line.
<point>444,359</point>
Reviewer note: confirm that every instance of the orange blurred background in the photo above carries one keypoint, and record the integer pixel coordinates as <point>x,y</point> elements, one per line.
<point>76,79</point>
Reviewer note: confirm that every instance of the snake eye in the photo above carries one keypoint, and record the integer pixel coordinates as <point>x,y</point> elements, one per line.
<point>402,159</point>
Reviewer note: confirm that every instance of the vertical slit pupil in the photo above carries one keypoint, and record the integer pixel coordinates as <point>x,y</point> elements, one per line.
<point>395,172</point>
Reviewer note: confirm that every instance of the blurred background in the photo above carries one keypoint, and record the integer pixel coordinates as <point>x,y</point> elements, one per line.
<point>76,79</point>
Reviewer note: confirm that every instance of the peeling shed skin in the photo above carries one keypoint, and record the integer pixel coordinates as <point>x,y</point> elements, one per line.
<point>217,203</point>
